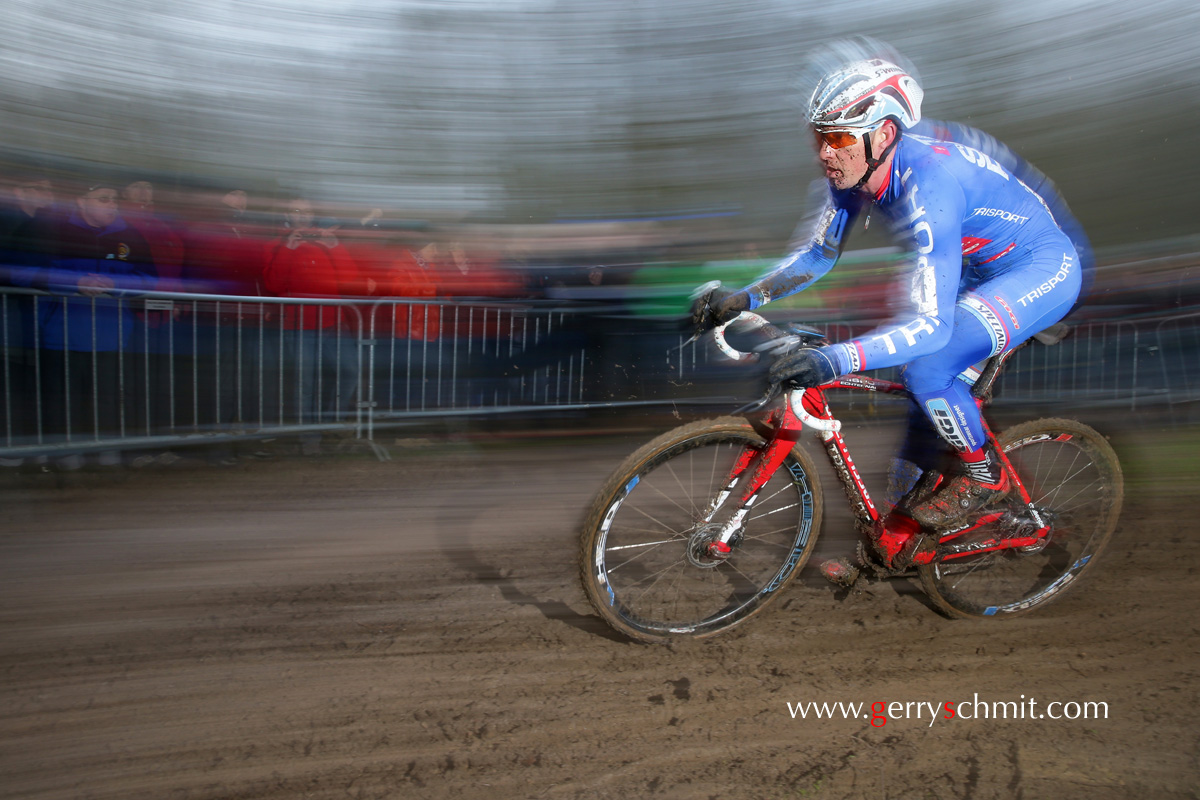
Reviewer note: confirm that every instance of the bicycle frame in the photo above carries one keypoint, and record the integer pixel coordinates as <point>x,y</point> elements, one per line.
<point>783,427</point>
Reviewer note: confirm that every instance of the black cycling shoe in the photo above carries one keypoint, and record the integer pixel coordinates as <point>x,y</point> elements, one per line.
<point>960,501</point>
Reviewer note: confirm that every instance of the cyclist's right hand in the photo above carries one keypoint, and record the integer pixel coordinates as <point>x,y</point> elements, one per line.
<point>713,305</point>
<point>806,367</point>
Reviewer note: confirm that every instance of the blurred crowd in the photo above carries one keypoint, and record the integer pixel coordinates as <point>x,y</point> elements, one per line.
<point>222,240</point>
<point>209,305</point>
<point>102,242</point>
<point>99,349</point>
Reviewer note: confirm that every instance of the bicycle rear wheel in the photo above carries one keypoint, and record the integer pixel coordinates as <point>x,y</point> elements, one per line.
<point>642,563</point>
<point>1075,481</point>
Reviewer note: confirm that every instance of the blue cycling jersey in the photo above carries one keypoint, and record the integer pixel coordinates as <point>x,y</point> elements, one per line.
<point>968,219</point>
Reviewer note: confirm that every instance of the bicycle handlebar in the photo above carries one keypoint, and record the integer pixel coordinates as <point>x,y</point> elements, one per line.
<point>748,317</point>
<point>795,396</point>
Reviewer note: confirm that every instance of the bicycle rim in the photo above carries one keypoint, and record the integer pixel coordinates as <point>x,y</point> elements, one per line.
<point>1076,485</point>
<point>640,569</point>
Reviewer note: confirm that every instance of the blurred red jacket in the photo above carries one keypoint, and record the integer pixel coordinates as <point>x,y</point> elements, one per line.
<point>465,277</point>
<point>313,269</point>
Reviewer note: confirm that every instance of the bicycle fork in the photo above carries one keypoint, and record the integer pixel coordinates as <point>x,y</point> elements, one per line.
<point>761,465</point>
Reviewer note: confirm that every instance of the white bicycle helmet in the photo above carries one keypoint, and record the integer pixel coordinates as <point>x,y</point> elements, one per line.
<point>864,93</point>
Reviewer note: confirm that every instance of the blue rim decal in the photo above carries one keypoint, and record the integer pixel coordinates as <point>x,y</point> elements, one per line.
<point>798,550</point>
<point>1044,594</point>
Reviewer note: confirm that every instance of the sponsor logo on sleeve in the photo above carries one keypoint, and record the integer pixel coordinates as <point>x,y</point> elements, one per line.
<point>981,160</point>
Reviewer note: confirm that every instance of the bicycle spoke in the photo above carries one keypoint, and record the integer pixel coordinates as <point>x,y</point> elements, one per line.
<point>761,537</point>
<point>635,557</point>
<point>653,519</point>
<point>967,569</point>
<point>642,544</point>
<point>691,512</point>
<point>766,514</point>
<point>735,568</point>
<point>653,577</point>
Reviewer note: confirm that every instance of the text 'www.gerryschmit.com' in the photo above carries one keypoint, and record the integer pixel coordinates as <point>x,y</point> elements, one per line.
<point>880,713</point>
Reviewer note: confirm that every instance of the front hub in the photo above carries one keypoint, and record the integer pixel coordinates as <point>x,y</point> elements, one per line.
<point>705,548</point>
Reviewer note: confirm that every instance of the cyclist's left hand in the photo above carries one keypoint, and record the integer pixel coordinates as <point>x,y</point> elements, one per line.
<point>804,368</point>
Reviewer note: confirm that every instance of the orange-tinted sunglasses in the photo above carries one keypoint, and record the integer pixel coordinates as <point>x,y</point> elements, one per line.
<point>838,139</point>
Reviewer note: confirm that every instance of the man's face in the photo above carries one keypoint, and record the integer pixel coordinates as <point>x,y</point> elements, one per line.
<point>35,195</point>
<point>140,193</point>
<point>235,200</point>
<point>844,166</point>
<point>299,215</point>
<point>98,207</point>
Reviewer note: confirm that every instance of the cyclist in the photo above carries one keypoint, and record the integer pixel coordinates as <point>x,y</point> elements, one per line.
<point>991,266</point>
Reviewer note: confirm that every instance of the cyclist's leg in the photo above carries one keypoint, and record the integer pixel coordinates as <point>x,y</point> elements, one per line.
<point>921,451</point>
<point>933,380</point>
<point>995,316</point>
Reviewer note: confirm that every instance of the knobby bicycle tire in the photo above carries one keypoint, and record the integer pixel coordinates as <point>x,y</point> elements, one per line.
<point>635,563</point>
<point>1075,481</point>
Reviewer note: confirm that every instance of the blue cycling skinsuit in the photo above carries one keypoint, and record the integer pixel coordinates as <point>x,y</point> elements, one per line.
<point>991,266</point>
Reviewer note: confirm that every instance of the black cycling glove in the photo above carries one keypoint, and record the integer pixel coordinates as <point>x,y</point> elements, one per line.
<point>804,368</point>
<point>717,306</point>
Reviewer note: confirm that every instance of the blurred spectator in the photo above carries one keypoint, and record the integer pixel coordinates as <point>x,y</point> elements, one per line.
<point>467,272</point>
<point>406,362</point>
<point>412,274</point>
<point>321,341</point>
<point>392,269</point>
<point>94,254</point>
<point>25,214</point>
<point>483,328</point>
<point>30,196</point>
<point>236,349</point>
<point>165,241</point>
<point>153,338</point>
<point>224,248</point>
<point>594,331</point>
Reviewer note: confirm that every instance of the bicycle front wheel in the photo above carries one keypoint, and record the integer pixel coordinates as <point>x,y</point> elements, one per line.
<point>1076,485</point>
<point>642,565</point>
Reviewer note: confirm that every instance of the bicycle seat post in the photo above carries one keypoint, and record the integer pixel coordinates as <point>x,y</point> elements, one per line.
<point>982,388</point>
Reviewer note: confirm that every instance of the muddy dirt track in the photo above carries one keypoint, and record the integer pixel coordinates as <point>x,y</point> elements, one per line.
<point>340,627</point>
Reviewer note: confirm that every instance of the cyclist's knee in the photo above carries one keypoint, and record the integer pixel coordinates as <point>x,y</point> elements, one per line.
<point>929,375</point>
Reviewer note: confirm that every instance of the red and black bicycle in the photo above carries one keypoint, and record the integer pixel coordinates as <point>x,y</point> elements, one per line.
<point>701,527</point>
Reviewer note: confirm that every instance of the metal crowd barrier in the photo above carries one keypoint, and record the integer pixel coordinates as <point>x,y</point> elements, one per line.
<point>161,370</point>
<point>165,369</point>
<point>1137,364</point>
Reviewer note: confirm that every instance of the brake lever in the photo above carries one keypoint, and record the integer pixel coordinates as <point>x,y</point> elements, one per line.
<point>762,402</point>
<point>695,338</point>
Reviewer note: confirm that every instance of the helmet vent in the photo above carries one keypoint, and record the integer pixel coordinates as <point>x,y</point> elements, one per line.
<point>860,109</point>
<point>898,96</point>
